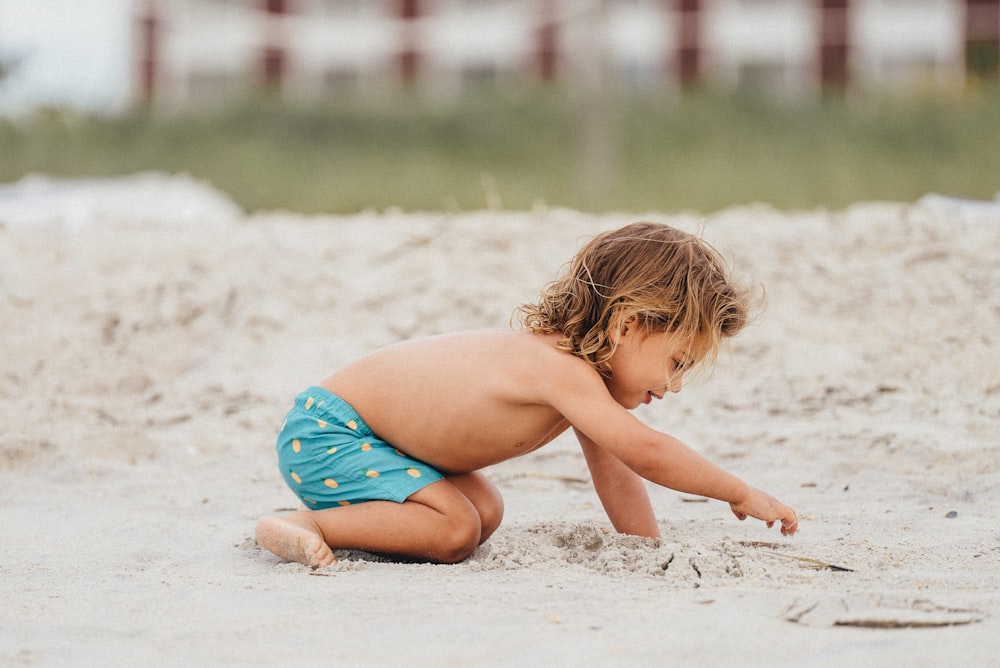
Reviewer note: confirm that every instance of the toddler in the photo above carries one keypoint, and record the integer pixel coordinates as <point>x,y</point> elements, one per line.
<point>386,453</point>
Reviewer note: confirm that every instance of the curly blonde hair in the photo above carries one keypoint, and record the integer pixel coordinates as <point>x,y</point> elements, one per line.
<point>669,279</point>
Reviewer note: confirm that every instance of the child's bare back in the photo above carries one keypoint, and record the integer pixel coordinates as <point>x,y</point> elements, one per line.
<point>461,401</point>
<point>386,453</point>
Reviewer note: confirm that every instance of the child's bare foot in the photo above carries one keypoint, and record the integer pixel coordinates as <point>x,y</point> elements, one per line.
<point>293,539</point>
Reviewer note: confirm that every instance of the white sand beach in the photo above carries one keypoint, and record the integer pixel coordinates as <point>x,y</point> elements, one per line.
<point>153,336</point>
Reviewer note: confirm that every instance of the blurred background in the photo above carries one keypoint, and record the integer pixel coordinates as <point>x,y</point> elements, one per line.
<point>636,105</point>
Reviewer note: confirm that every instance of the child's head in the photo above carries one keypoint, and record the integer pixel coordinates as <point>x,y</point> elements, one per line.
<point>669,279</point>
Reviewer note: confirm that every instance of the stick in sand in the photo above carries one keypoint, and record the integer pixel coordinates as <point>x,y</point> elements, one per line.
<point>815,563</point>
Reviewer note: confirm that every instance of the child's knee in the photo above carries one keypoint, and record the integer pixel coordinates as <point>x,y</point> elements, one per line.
<point>490,515</point>
<point>459,538</point>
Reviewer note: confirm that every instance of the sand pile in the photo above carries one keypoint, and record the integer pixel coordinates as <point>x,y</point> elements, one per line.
<point>152,342</point>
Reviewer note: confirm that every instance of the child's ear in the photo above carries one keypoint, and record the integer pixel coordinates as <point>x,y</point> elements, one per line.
<point>622,326</point>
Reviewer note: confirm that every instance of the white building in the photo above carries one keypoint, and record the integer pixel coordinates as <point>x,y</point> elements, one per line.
<point>182,52</point>
<point>784,45</point>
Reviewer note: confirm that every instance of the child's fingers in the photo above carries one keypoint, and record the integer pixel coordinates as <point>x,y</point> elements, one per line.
<point>789,527</point>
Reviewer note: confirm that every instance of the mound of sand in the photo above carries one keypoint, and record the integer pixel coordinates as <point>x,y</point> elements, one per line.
<point>153,336</point>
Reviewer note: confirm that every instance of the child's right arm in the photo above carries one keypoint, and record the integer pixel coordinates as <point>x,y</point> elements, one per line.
<point>663,459</point>
<point>657,457</point>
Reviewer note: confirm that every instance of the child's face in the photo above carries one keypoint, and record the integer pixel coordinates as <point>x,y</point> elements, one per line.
<point>647,365</point>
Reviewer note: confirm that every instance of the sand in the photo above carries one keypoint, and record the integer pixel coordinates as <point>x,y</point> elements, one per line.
<point>153,335</point>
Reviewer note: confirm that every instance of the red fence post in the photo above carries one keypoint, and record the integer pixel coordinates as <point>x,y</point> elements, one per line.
<point>982,38</point>
<point>409,56</point>
<point>834,44</point>
<point>274,60</point>
<point>149,46</point>
<point>548,42</point>
<point>688,53</point>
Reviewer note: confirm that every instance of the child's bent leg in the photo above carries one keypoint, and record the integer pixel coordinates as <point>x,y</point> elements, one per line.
<point>485,497</point>
<point>438,523</point>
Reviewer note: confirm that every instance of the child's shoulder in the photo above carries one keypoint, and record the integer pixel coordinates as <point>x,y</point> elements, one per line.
<point>502,347</point>
<point>541,356</point>
<point>513,342</point>
<point>519,356</point>
<point>489,339</point>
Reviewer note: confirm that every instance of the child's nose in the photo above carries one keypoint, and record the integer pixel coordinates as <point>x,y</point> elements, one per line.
<point>677,380</point>
<point>674,384</point>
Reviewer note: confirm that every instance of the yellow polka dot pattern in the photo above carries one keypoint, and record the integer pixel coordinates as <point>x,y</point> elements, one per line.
<point>365,447</point>
<point>308,475</point>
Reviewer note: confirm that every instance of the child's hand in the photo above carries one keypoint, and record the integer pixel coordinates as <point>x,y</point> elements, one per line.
<point>766,507</point>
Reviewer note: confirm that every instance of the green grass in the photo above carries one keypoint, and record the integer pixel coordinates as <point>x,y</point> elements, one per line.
<point>702,152</point>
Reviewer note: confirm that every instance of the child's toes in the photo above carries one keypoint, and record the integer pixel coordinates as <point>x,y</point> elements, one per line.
<point>317,553</point>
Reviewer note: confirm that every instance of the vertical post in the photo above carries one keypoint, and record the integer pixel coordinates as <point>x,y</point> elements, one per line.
<point>274,60</point>
<point>594,79</point>
<point>548,42</point>
<point>982,38</point>
<point>688,66</point>
<point>149,46</point>
<point>409,56</point>
<point>834,45</point>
